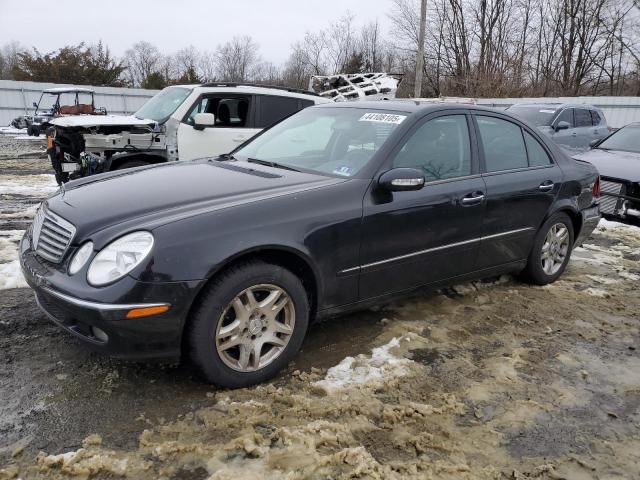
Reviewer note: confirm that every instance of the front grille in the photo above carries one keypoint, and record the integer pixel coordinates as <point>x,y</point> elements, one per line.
<point>608,204</point>
<point>51,235</point>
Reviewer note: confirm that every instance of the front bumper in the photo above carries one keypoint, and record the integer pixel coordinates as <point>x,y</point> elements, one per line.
<point>97,316</point>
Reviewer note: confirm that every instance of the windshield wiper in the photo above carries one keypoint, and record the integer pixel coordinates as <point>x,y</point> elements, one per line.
<point>271,164</point>
<point>223,156</point>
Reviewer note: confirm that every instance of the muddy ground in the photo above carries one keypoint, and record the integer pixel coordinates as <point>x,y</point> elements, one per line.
<point>494,379</point>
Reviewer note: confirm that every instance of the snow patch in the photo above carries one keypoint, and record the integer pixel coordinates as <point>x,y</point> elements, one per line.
<point>363,370</point>
<point>609,225</point>
<point>11,131</point>
<point>10,271</point>
<point>29,185</point>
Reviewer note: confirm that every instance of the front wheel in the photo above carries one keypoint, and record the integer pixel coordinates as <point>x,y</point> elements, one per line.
<point>248,325</point>
<point>551,250</point>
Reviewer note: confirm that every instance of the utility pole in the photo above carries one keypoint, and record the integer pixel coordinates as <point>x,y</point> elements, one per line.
<point>417,89</point>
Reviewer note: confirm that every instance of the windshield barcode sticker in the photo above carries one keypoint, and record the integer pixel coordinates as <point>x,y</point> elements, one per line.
<point>382,118</point>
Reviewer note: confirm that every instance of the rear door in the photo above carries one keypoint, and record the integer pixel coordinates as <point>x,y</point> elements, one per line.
<point>522,182</point>
<point>273,108</point>
<point>585,132</point>
<point>418,237</point>
<point>234,124</point>
<point>600,129</point>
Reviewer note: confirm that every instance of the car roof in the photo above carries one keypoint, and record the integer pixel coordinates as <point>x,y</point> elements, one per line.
<point>258,90</point>
<point>68,90</point>
<point>407,106</point>
<point>556,105</point>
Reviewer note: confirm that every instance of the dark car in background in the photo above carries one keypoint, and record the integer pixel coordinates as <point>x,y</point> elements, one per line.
<point>617,158</point>
<point>336,208</point>
<point>572,126</point>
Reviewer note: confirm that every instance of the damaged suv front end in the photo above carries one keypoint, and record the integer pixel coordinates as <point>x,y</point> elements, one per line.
<point>83,146</point>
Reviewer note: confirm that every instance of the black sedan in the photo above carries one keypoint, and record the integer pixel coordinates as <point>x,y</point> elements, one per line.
<point>336,208</point>
<point>617,158</point>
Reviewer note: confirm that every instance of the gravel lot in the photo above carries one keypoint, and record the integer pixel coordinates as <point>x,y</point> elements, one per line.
<point>495,379</point>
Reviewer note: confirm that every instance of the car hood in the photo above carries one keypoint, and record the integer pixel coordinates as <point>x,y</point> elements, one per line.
<point>159,194</point>
<point>100,121</point>
<point>614,163</point>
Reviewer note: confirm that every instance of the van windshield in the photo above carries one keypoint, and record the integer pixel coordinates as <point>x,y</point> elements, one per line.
<point>161,106</point>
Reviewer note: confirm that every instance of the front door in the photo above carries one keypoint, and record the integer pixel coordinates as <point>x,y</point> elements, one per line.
<point>233,125</point>
<point>567,137</point>
<point>419,237</point>
<point>522,182</point>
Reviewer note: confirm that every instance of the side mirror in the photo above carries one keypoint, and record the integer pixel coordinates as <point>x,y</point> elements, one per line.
<point>35,104</point>
<point>203,120</point>
<point>594,143</point>
<point>401,180</point>
<point>562,126</point>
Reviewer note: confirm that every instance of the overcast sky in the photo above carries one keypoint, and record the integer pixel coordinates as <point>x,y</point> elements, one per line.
<point>173,24</point>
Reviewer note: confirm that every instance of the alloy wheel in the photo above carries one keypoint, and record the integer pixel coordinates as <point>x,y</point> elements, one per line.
<point>255,328</point>
<point>555,248</point>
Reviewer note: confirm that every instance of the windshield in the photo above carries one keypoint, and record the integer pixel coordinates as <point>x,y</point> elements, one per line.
<point>334,141</point>
<point>160,107</point>
<point>539,116</point>
<point>625,139</point>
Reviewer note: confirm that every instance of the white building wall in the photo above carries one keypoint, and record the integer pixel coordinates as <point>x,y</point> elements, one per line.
<point>16,98</point>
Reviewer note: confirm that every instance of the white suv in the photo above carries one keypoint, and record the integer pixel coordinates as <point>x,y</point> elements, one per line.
<point>181,122</point>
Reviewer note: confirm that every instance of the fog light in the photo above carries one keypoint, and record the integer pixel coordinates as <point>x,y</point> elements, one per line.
<point>99,334</point>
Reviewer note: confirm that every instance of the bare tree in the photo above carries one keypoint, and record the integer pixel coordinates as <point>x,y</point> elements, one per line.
<point>237,59</point>
<point>9,57</point>
<point>142,59</point>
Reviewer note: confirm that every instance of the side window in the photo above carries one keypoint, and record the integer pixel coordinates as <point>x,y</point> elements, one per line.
<point>502,143</point>
<point>273,109</point>
<point>537,154</point>
<point>566,116</point>
<point>229,111</point>
<point>583,117</point>
<point>440,148</point>
<point>595,118</point>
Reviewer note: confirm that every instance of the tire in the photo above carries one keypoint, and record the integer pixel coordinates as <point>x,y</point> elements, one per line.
<point>543,272</point>
<point>131,164</point>
<point>216,323</point>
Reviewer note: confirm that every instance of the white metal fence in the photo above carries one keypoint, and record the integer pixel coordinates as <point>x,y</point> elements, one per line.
<point>619,111</point>
<point>16,98</point>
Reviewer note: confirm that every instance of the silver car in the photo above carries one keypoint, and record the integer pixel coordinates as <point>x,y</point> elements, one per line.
<point>574,126</point>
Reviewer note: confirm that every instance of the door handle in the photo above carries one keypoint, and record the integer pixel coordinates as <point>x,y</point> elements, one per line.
<point>472,199</point>
<point>546,186</point>
<point>238,139</point>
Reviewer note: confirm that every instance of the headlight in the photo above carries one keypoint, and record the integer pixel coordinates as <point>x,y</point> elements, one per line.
<point>119,258</point>
<point>80,258</point>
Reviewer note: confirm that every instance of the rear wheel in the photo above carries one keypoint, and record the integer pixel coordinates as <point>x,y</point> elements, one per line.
<point>551,250</point>
<point>248,325</point>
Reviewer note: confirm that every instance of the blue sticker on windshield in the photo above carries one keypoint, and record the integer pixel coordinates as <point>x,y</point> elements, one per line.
<point>344,171</point>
